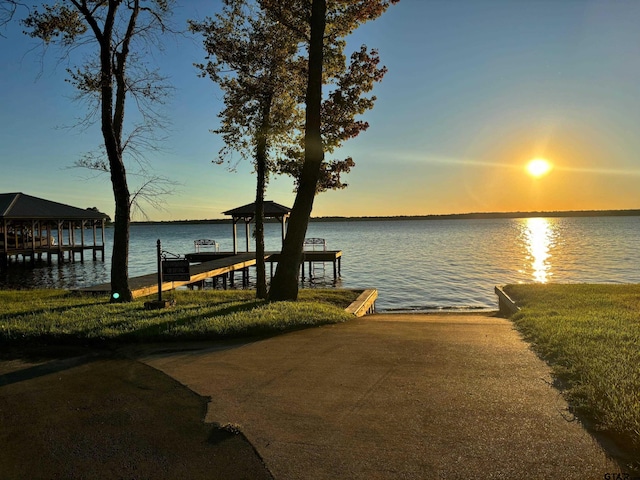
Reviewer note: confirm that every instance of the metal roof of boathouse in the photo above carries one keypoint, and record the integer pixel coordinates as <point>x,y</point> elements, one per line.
<point>19,206</point>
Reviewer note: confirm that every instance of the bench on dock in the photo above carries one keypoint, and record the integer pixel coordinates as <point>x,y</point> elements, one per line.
<point>205,242</point>
<point>314,244</point>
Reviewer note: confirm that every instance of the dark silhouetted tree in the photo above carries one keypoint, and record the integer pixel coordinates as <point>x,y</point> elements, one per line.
<point>325,24</point>
<point>253,60</point>
<point>258,60</point>
<point>114,33</point>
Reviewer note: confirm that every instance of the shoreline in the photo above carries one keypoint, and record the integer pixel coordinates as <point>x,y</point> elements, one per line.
<point>450,216</point>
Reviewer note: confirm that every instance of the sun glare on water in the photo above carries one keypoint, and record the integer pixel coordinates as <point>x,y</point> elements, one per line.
<point>538,167</point>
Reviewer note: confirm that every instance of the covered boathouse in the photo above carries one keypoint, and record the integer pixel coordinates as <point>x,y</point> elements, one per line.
<point>32,227</point>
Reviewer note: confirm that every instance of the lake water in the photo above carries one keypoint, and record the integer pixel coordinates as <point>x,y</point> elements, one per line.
<point>416,265</point>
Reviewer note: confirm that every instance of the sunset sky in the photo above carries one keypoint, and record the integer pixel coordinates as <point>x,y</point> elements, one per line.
<point>475,90</point>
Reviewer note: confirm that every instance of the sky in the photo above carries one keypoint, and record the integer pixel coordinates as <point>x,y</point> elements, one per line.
<point>475,89</point>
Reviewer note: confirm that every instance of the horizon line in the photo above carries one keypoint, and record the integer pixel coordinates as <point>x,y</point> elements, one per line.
<point>444,216</point>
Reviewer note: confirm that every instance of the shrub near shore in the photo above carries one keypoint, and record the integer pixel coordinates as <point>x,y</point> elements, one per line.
<point>50,317</point>
<point>590,335</point>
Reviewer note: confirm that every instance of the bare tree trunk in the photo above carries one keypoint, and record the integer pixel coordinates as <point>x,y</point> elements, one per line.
<point>261,172</point>
<point>285,282</point>
<point>120,291</point>
<point>104,20</point>
<point>111,122</point>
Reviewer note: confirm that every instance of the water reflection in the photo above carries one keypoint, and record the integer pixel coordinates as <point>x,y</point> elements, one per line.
<point>539,237</point>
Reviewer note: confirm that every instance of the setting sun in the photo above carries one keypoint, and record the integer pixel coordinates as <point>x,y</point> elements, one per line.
<point>538,167</point>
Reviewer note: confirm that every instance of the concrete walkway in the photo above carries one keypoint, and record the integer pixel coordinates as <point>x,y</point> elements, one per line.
<point>394,397</point>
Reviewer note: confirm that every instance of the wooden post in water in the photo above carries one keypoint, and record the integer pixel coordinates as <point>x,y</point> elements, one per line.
<point>72,257</point>
<point>49,246</point>
<point>235,237</point>
<point>246,233</point>
<point>33,242</point>
<point>60,255</point>
<point>102,239</point>
<point>83,224</point>
<point>95,240</point>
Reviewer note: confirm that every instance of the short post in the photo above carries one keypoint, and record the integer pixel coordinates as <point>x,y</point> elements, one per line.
<point>157,304</point>
<point>159,247</point>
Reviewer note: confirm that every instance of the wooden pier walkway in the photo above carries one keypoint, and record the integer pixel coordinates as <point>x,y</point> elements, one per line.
<point>211,265</point>
<point>148,284</point>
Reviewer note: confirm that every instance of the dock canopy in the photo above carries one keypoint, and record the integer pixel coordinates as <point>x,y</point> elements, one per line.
<point>247,213</point>
<point>31,226</point>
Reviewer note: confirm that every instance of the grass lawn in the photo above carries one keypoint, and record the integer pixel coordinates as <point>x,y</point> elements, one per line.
<point>590,335</point>
<point>57,317</point>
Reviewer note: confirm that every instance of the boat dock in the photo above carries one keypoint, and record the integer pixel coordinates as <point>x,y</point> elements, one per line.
<point>309,258</point>
<point>216,265</point>
<point>33,228</point>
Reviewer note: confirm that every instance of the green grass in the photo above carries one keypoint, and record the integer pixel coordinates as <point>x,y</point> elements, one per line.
<point>590,335</point>
<point>53,317</point>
